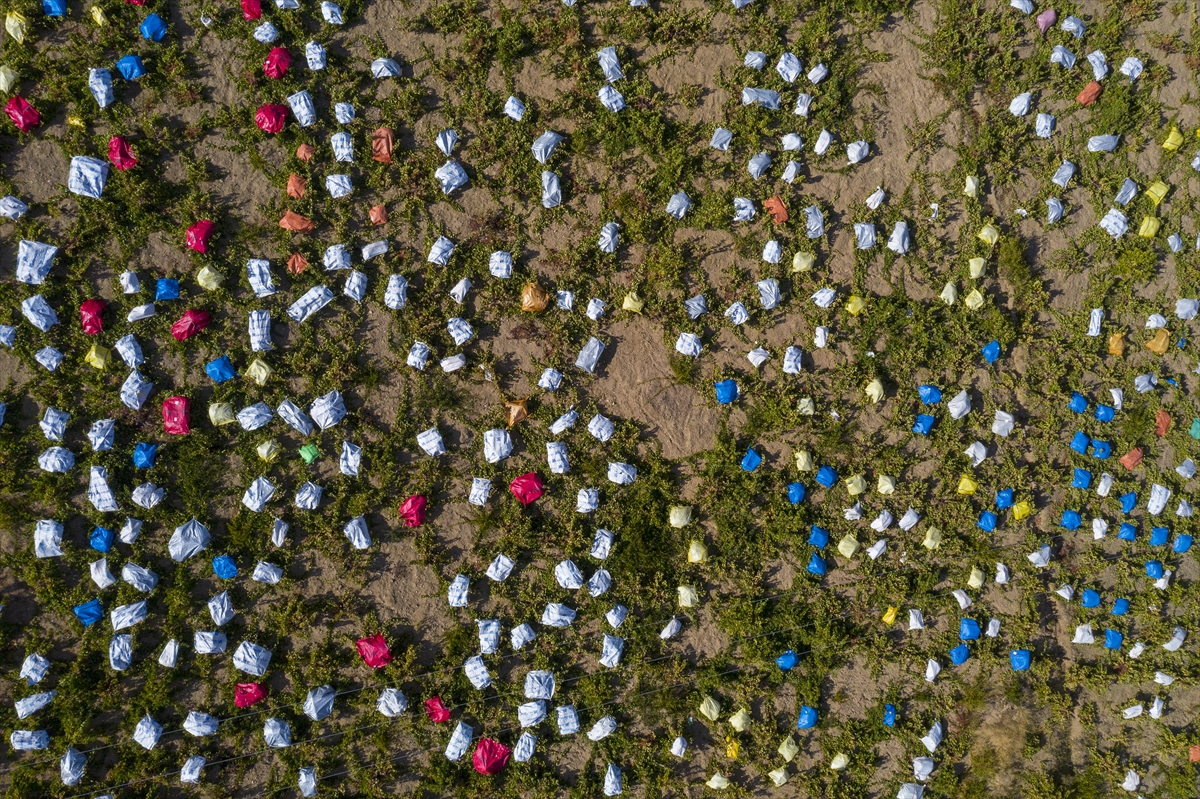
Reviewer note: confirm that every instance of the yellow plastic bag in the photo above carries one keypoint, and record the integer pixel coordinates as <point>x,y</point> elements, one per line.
<point>949,294</point>
<point>788,749</point>
<point>740,720</point>
<point>967,485</point>
<point>974,299</point>
<point>697,552</point>
<point>875,390</point>
<point>848,545</point>
<point>633,302</point>
<point>989,235</point>
<point>855,485</point>
<point>98,16</point>
<point>839,762</point>
<point>1149,227</point>
<point>688,597</point>
<point>717,782</point>
<point>221,413</point>
<point>17,26</point>
<point>889,617</point>
<point>269,450</point>
<point>209,278</point>
<point>681,515</point>
<point>1022,510</point>
<point>1174,140</point>
<point>1157,192</point>
<point>8,78</point>
<point>933,538</point>
<point>976,578</point>
<point>259,371</point>
<point>732,749</point>
<point>886,485</point>
<point>804,461</point>
<point>977,266</point>
<point>779,776</point>
<point>803,261</point>
<point>710,708</point>
<point>855,305</point>
<point>97,357</point>
<point>806,407</point>
<point>971,189</point>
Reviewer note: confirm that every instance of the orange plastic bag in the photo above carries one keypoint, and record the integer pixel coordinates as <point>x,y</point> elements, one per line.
<point>1160,342</point>
<point>775,207</point>
<point>381,146</point>
<point>378,214</point>
<point>297,263</point>
<point>295,186</point>
<point>1131,459</point>
<point>297,224</point>
<point>1116,344</point>
<point>516,411</point>
<point>534,298</point>
<point>1162,422</point>
<point>305,152</point>
<point>1090,94</point>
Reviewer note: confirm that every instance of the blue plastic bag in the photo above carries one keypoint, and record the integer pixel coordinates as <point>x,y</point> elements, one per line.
<point>930,395</point>
<point>1101,449</point>
<point>816,565</point>
<point>220,369</point>
<point>1120,607</point>
<point>101,539</point>
<point>1113,639</point>
<point>727,391</point>
<point>959,654</point>
<point>131,67</point>
<point>1159,536</point>
<point>795,493</point>
<point>991,352</point>
<point>1071,519</point>
<point>923,424</point>
<point>1020,659</point>
<point>1105,413</point>
<point>889,715</point>
<point>89,612</point>
<point>153,28</point>
<point>224,567</point>
<point>166,289</point>
<point>1078,402</point>
<point>987,521</point>
<point>1127,532</point>
<point>1082,479</point>
<point>1090,598</point>
<point>826,477</point>
<point>1128,502</point>
<point>751,460</point>
<point>1004,499</point>
<point>968,630</point>
<point>54,8</point>
<point>1182,544</point>
<point>808,718</point>
<point>1080,442</point>
<point>819,537</point>
<point>144,455</point>
<point>1154,569</point>
<point>787,660</point>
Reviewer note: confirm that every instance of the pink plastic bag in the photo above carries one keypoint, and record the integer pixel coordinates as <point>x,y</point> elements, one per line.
<point>412,511</point>
<point>175,415</point>
<point>246,694</point>
<point>490,756</point>
<point>527,487</point>
<point>271,118</point>
<point>89,316</point>
<point>199,234</point>
<point>22,114</point>
<point>374,651</point>
<point>119,153</point>
<point>436,710</point>
<point>191,323</point>
<point>277,63</point>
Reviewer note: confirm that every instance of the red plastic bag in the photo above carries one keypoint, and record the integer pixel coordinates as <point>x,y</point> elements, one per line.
<point>199,234</point>
<point>175,415</point>
<point>374,651</point>
<point>22,114</point>
<point>251,10</point>
<point>246,694</point>
<point>277,63</point>
<point>527,487</point>
<point>191,323</point>
<point>412,510</point>
<point>89,316</point>
<point>270,118</point>
<point>436,710</point>
<point>120,154</point>
<point>136,2</point>
<point>490,756</point>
